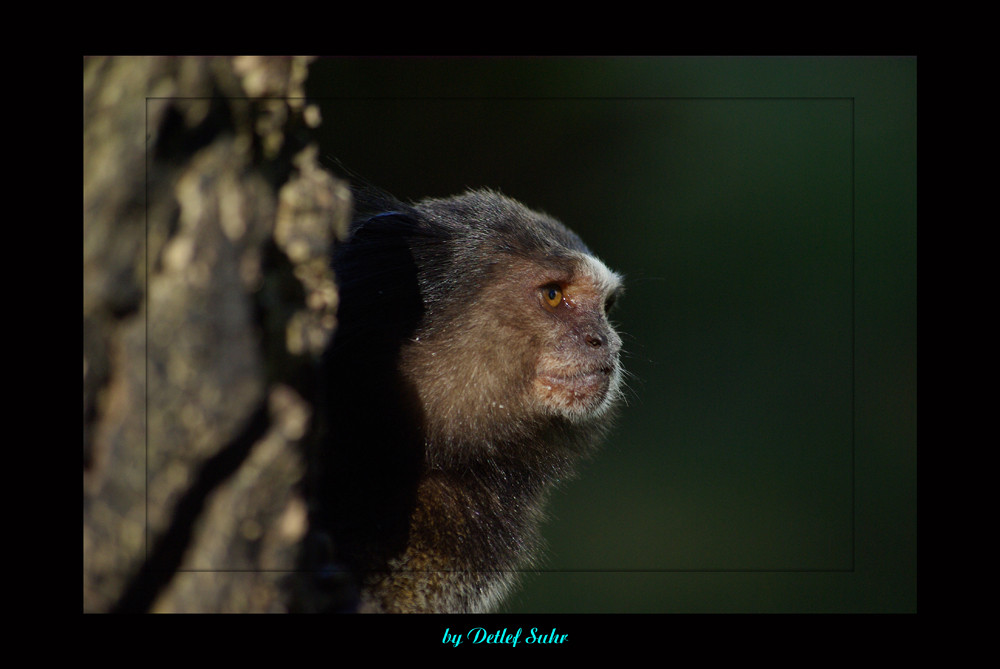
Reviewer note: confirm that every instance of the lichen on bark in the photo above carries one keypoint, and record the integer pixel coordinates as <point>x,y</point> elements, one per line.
<point>207,298</point>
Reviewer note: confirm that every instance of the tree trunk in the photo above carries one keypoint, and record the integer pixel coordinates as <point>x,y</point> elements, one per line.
<point>208,296</point>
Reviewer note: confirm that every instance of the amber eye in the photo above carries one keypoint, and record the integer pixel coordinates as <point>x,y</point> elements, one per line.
<point>552,295</point>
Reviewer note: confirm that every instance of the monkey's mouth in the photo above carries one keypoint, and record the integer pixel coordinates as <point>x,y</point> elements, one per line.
<point>571,390</point>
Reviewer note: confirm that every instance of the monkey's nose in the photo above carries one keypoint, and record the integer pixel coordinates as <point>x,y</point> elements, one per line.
<point>599,338</point>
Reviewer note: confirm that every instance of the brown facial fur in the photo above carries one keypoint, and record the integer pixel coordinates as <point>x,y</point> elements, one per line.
<point>508,362</point>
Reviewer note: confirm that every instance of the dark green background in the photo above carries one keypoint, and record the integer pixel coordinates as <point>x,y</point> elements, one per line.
<point>763,211</point>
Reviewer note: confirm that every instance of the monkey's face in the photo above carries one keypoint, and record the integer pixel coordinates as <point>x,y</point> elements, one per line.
<point>530,346</point>
<point>577,372</point>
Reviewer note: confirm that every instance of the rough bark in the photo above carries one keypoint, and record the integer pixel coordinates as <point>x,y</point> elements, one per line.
<point>207,297</point>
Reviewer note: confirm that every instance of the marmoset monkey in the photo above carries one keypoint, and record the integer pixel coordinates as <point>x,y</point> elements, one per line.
<point>473,365</point>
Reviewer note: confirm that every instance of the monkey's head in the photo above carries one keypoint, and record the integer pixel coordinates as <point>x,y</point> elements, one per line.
<point>511,345</point>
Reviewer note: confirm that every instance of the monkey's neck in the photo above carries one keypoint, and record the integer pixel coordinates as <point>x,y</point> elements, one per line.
<point>472,529</point>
